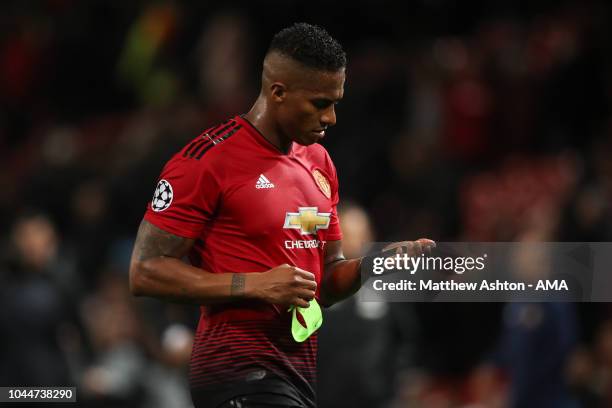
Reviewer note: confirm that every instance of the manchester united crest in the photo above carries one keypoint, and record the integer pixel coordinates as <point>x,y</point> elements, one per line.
<point>322,182</point>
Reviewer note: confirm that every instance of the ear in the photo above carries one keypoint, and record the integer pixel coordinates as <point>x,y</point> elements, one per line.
<point>278,91</point>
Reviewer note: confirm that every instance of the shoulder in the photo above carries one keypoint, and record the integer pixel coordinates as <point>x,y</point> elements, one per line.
<point>211,148</point>
<point>315,153</point>
<point>318,156</point>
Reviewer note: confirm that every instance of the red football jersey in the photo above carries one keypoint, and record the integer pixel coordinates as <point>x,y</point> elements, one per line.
<point>250,208</point>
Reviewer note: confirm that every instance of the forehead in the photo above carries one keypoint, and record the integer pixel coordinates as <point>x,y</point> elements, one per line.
<point>324,84</point>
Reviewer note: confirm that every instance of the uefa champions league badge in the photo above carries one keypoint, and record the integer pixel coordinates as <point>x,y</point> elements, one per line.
<point>162,198</point>
<point>322,183</point>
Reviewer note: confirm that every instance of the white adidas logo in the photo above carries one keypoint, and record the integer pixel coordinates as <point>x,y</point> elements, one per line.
<point>263,182</point>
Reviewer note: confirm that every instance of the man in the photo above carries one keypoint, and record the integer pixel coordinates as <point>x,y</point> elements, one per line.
<point>252,202</point>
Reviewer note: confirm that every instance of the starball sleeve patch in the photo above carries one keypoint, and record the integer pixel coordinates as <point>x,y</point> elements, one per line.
<point>162,198</point>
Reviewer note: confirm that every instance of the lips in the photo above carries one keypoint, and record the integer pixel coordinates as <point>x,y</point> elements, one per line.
<point>319,132</point>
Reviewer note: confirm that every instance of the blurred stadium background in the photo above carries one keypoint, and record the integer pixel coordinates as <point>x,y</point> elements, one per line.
<point>480,120</point>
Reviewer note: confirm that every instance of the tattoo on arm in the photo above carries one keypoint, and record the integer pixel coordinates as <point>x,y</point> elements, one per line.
<point>238,280</point>
<point>152,242</point>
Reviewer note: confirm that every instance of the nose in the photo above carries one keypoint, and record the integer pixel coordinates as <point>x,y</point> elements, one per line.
<point>329,117</point>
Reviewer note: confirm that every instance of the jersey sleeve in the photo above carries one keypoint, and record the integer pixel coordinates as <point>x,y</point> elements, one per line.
<point>185,198</point>
<point>334,232</point>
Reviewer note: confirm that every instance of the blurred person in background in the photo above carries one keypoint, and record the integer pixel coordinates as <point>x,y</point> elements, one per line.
<point>222,200</point>
<point>537,338</point>
<point>116,365</point>
<point>587,383</point>
<point>166,382</point>
<point>90,229</point>
<point>362,369</point>
<point>37,305</point>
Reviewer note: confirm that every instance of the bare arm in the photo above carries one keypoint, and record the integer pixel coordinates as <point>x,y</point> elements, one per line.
<point>342,277</point>
<point>156,270</point>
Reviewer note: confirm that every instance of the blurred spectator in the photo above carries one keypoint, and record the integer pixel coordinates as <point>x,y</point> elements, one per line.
<point>536,343</point>
<point>36,304</point>
<point>119,363</point>
<point>89,229</point>
<point>166,382</point>
<point>355,341</point>
<point>582,379</point>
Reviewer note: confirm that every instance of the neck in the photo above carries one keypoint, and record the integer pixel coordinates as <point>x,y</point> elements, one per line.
<point>260,117</point>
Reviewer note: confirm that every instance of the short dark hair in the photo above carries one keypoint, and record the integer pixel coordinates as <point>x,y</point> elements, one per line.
<point>310,45</point>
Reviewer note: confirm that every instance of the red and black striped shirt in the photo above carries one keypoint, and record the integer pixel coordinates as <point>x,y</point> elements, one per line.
<point>250,208</point>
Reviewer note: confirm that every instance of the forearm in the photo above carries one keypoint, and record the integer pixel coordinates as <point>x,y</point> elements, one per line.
<point>156,270</point>
<point>171,279</point>
<point>341,279</point>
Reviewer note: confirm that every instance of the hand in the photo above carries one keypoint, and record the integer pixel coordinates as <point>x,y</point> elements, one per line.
<point>411,248</point>
<point>285,285</point>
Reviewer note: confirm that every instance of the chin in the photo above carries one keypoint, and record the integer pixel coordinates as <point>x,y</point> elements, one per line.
<point>305,142</point>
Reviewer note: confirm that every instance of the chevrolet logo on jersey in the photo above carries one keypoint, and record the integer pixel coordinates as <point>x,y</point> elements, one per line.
<point>308,220</point>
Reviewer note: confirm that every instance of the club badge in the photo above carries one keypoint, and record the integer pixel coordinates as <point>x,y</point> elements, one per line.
<point>322,182</point>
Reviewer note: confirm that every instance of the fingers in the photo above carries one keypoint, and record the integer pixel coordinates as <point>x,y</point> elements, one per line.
<point>401,247</point>
<point>427,241</point>
<point>289,285</point>
<point>308,285</point>
<point>305,287</point>
<point>305,279</point>
<point>305,294</point>
<point>395,245</point>
<point>305,274</point>
<point>303,298</point>
<point>411,248</point>
<point>417,248</point>
<point>298,271</point>
<point>426,244</point>
<point>300,302</point>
